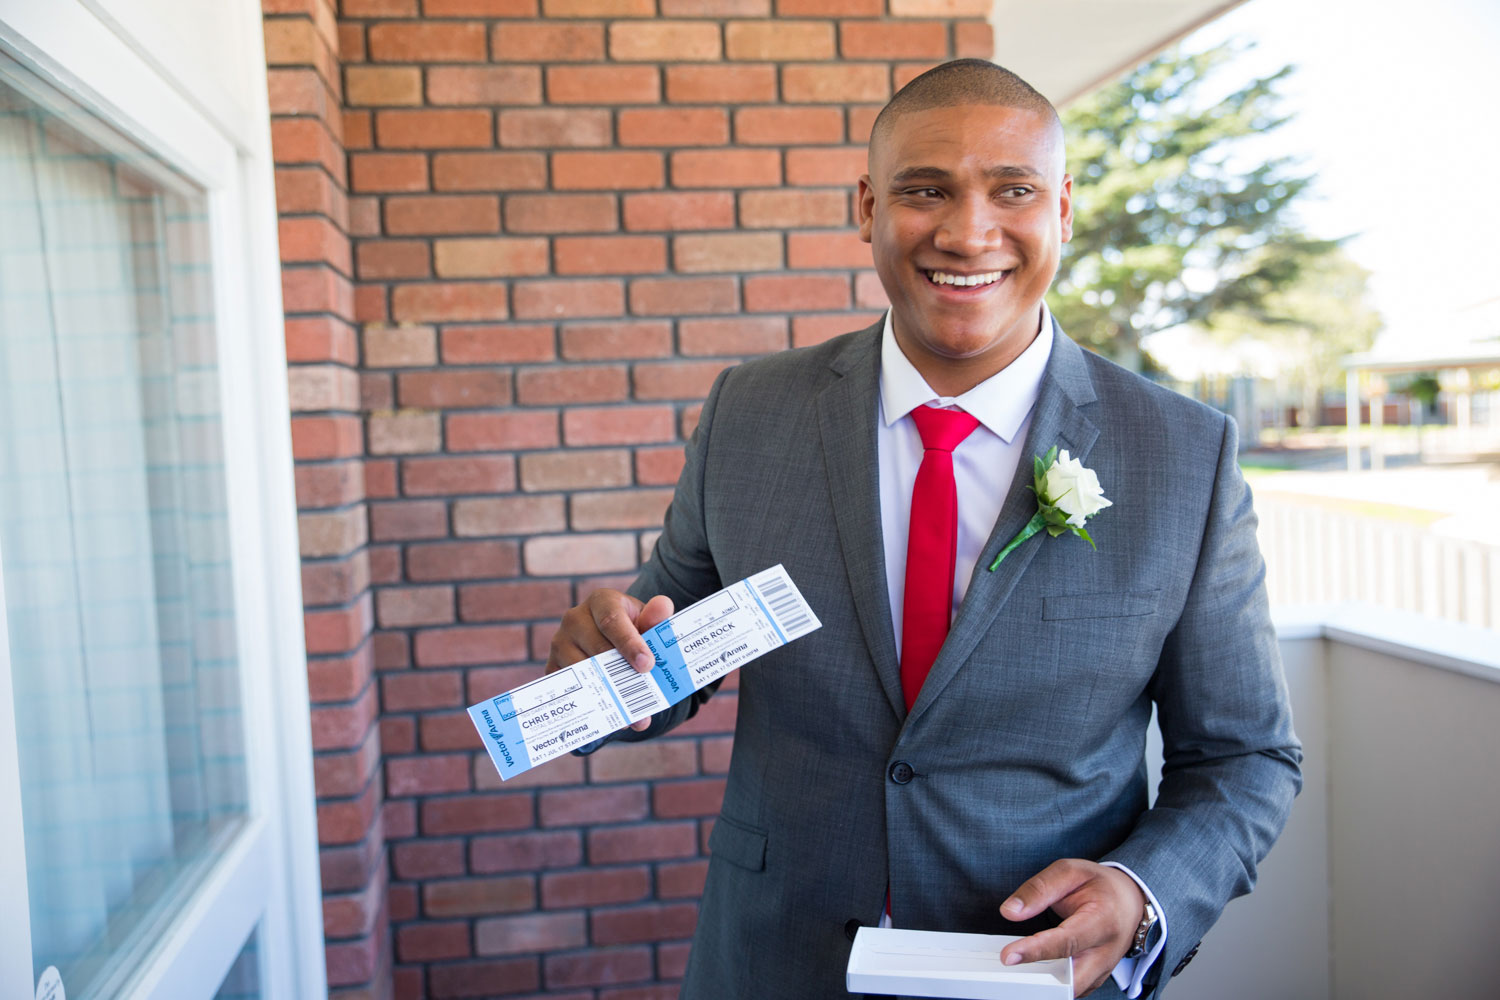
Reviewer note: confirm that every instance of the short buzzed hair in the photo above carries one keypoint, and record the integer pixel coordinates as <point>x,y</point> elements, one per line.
<point>964,81</point>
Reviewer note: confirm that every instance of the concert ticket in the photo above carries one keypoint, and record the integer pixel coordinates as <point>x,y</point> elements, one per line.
<point>579,704</point>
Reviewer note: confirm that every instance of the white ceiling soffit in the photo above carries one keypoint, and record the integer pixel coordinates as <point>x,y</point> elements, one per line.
<point>1067,48</point>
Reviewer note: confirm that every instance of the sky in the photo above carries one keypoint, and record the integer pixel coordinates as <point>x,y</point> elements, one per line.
<point>1398,115</point>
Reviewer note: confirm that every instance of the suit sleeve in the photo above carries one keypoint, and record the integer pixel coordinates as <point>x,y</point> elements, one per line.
<point>1231,763</point>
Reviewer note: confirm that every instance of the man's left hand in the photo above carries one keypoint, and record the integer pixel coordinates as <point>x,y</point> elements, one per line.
<point>1101,908</point>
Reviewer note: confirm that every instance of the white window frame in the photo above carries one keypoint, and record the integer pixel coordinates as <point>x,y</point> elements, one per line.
<point>266,881</point>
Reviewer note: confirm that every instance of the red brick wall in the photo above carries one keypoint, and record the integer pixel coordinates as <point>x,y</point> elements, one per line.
<point>565,217</point>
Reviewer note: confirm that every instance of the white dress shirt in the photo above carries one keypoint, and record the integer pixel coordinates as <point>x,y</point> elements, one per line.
<point>984,465</point>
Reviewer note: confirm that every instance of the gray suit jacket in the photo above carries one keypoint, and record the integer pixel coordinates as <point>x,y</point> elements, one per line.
<point>1027,740</point>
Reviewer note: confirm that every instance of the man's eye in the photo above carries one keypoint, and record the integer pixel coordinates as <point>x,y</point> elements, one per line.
<point>1019,191</point>
<point>927,192</point>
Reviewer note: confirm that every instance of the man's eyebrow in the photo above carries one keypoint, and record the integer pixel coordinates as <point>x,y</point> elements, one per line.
<point>908,175</point>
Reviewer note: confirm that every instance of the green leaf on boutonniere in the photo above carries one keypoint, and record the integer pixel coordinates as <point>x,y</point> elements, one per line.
<point>1067,494</point>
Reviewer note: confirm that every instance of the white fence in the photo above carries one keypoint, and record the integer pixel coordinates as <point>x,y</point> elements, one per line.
<point>1315,555</point>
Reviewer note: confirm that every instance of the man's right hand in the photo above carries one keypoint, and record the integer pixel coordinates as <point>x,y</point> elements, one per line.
<point>608,620</point>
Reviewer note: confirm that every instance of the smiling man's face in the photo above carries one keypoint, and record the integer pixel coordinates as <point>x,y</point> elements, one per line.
<point>966,209</point>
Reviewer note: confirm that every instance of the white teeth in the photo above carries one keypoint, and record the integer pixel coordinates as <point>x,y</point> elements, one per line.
<point>966,280</point>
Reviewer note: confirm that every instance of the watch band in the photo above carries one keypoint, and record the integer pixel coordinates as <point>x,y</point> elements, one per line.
<point>1143,932</point>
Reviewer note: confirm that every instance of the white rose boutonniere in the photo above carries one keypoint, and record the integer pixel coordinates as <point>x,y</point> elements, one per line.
<point>1067,495</point>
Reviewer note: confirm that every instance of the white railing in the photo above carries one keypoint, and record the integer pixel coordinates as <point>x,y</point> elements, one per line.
<point>1318,555</point>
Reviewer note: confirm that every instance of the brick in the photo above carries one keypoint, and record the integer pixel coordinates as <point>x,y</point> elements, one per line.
<point>671,959</point>
<point>352,47</point>
<point>315,289</point>
<point>726,168</point>
<point>699,797</point>
<point>428,942</point>
<point>827,249</point>
<point>364,216</point>
<point>717,716</point>
<point>478,345</point>
<point>596,887</point>
<point>676,380</point>
<point>609,254</point>
<point>568,299</point>
<point>489,258</point>
<point>566,470</point>
<point>409,215</point>
<point>642,842</point>
<point>584,426</point>
<point>553,127</point>
<point>901,75</point>
<point>614,170</point>
<point>443,731</point>
<point>796,293</point>
<point>570,555</point>
<point>478,814</point>
<point>619,509</point>
<point>667,758</point>
<point>305,140</point>
<point>383,86</point>
<point>538,932</point>
<point>479,896</point>
<point>659,466</point>
<point>291,41</point>
<point>940,8</point>
<point>461,560</point>
<point>826,166</point>
<point>682,880</point>
<point>426,42</point>
<point>782,126</point>
<point>320,338</point>
<point>399,347</point>
<point>664,41</point>
<point>322,387</point>
<point>484,85</point>
<point>428,859</point>
<point>453,389</point>
<point>973,40</point>
<point>638,924</point>
<point>409,691</point>
<point>572,384</point>
<point>698,253</point>
<point>834,83</point>
<point>309,189</point>
<point>402,607</point>
<point>429,774</point>
<point>869,293</point>
<point>599,8</point>
<point>433,129</point>
<point>716,8</point>
<point>378,8</point>
<point>678,296</point>
<point>607,84</point>
<point>891,40</point>
<point>448,302</point>
<point>561,213</point>
<point>728,84</point>
<point>383,260</point>
<point>385,563</point>
<point>452,981</point>
<point>545,42</point>
<point>325,437</point>
<point>612,341</point>
<point>331,485</point>
<point>765,41</point>
<point>830,8</point>
<point>404,433</point>
<point>501,431</point>
<point>402,520</point>
<point>474,645</point>
<point>489,171</point>
<point>674,127</point>
<point>446,476</point>
<point>314,239</point>
<point>480,8</point>
<point>598,967</point>
<point>526,852</point>
<point>793,208</point>
<point>514,601</point>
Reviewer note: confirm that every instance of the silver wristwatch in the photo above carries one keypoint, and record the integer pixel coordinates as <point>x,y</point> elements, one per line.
<point>1143,933</point>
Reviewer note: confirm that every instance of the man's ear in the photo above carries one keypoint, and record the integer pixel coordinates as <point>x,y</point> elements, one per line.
<point>1066,207</point>
<point>864,207</point>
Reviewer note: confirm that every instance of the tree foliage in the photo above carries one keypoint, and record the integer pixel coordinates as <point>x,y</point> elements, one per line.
<point>1168,228</point>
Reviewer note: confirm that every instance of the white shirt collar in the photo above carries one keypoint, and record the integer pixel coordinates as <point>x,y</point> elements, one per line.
<point>1001,402</point>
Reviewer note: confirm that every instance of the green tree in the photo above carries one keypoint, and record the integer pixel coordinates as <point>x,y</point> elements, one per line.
<point>1168,227</point>
<point>1324,314</point>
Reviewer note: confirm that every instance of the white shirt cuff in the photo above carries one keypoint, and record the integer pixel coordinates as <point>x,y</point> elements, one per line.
<point>1130,971</point>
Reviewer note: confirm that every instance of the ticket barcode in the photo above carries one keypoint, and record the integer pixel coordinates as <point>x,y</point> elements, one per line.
<point>786,605</point>
<point>634,687</point>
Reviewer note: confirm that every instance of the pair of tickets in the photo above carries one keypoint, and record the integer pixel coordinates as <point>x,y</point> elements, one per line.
<point>587,701</point>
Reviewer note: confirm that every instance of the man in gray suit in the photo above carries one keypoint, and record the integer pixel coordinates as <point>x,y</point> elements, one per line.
<point>1000,788</point>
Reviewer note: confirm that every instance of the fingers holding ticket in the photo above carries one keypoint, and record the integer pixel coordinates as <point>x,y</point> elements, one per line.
<point>608,620</point>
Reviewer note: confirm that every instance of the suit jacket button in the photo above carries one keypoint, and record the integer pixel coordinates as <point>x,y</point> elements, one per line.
<point>1186,959</point>
<point>901,772</point>
<point>851,928</point>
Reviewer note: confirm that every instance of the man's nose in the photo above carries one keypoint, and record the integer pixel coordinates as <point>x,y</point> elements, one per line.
<point>968,229</point>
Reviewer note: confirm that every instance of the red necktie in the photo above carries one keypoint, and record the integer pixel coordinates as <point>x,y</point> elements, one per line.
<point>932,546</point>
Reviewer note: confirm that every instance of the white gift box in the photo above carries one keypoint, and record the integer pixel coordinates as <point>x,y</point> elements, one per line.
<point>958,966</point>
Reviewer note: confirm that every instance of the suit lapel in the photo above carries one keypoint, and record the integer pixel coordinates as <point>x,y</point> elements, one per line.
<point>1056,420</point>
<point>847,413</point>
